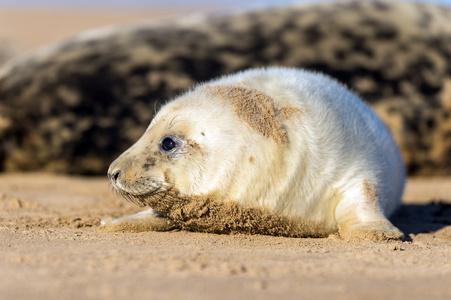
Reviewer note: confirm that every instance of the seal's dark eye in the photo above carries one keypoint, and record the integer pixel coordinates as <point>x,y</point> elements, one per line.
<point>168,143</point>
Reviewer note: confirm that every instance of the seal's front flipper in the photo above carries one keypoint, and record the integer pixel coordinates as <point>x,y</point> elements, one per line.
<point>147,220</point>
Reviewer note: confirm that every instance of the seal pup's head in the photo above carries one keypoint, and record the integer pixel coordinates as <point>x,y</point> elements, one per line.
<point>214,141</point>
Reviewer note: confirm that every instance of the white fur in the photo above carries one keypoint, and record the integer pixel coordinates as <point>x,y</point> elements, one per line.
<point>334,147</point>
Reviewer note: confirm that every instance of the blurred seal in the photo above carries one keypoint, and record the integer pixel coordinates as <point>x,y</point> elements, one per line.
<point>74,106</point>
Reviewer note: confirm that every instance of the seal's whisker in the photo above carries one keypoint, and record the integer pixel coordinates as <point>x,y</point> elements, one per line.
<point>155,109</point>
<point>137,196</point>
<point>170,123</point>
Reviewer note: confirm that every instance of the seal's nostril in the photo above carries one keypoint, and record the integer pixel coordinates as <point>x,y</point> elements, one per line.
<point>114,176</point>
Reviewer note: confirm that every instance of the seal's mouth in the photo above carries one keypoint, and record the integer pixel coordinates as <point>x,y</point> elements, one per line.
<point>138,197</point>
<point>161,199</point>
<point>141,191</point>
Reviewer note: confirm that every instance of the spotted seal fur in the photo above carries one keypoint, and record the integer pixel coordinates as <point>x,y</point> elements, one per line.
<point>76,105</point>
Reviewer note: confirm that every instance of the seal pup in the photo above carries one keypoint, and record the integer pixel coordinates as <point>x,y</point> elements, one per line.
<point>277,151</point>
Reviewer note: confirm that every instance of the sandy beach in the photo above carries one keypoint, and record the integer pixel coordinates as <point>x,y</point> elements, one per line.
<point>52,247</point>
<point>31,28</point>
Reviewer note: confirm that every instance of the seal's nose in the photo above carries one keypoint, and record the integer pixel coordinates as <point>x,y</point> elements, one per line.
<point>114,175</point>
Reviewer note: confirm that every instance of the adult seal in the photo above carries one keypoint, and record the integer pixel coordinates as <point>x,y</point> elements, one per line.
<point>275,151</point>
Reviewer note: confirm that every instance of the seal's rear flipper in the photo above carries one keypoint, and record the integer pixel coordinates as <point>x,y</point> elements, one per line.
<point>147,220</point>
<point>360,217</point>
<point>376,231</point>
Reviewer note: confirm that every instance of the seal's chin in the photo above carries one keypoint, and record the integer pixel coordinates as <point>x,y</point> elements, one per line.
<point>138,196</point>
<point>141,190</point>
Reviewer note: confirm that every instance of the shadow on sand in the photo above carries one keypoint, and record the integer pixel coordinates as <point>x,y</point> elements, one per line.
<point>422,218</point>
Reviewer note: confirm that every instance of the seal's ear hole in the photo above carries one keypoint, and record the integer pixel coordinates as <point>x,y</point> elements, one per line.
<point>168,143</point>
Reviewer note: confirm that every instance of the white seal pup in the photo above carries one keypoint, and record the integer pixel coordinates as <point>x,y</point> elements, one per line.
<point>275,151</point>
